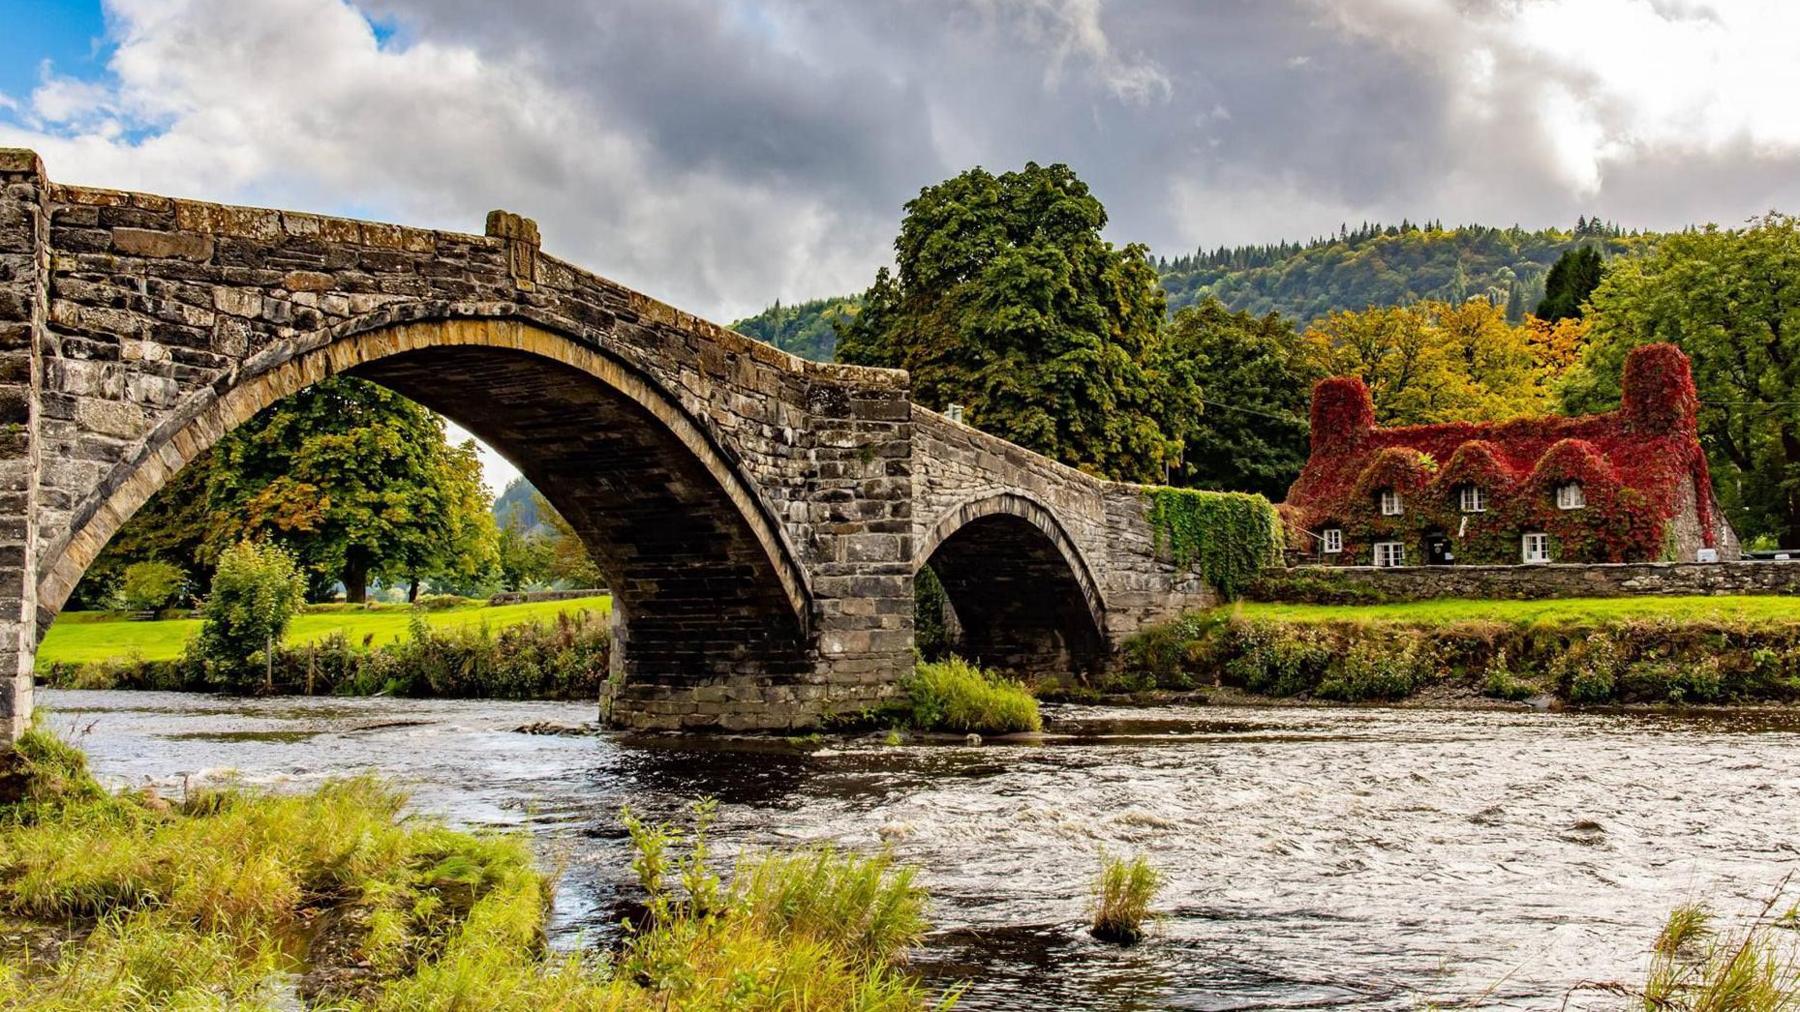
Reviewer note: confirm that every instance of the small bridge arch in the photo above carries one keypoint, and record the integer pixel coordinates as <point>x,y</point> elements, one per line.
<point>1023,594</point>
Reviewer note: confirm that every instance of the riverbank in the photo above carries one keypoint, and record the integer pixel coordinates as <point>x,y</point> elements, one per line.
<point>90,637</point>
<point>1610,651</point>
<point>229,897</point>
<point>545,654</point>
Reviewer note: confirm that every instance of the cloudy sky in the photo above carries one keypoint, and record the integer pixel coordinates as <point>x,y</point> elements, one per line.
<point>723,153</point>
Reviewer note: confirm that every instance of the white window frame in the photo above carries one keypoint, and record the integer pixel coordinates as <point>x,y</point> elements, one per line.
<point>1534,549</point>
<point>1331,540</point>
<point>1570,496</point>
<point>1390,554</point>
<point>1391,506</point>
<point>1474,499</point>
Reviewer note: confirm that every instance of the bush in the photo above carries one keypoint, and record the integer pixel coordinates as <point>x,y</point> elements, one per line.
<point>1501,683</point>
<point>148,586</point>
<point>1375,670</point>
<point>954,695</point>
<point>1122,896</point>
<point>1590,672</point>
<point>255,591</point>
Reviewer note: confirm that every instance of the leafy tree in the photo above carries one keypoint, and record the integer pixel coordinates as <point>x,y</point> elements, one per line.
<point>569,561</point>
<point>524,555</point>
<point>359,482</point>
<point>148,586</point>
<point>171,526</point>
<point>1572,279</point>
<point>1436,361</point>
<point>1007,301</point>
<point>1258,375</point>
<point>1730,298</point>
<point>255,591</point>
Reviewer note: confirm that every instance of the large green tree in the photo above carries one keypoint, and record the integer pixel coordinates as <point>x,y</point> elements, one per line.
<point>1730,298</point>
<point>360,483</point>
<point>1007,301</point>
<point>1572,279</point>
<point>1259,375</point>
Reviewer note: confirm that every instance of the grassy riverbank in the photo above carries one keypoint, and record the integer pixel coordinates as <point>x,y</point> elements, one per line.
<point>87,637</point>
<point>250,901</point>
<point>1584,612</point>
<point>1602,651</point>
<point>564,657</point>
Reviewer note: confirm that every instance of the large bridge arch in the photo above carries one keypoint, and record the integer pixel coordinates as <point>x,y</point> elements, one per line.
<point>706,578</point>
<point>1023,593</point>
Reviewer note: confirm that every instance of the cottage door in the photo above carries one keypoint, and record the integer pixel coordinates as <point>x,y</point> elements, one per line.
<point>1437,550</point>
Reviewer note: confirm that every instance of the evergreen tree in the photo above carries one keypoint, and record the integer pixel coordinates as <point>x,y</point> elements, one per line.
<point>1572,279</point>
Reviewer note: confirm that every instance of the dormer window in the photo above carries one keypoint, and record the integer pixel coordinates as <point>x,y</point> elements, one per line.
<point>1474,499</point>
<point>1390,503</point>
<point>1569,496</point>
<point>1331,540</point>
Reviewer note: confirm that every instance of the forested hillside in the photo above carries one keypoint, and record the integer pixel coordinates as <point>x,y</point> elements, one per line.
<point>804,329</point>
<point>1384,266</point>
<point>1373,265</point>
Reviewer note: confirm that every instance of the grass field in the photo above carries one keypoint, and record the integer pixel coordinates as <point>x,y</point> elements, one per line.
<point>86,637</point>
<point>1571,611</point>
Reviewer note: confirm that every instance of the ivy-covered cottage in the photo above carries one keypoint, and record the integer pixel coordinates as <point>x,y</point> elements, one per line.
<point>1627,486</point>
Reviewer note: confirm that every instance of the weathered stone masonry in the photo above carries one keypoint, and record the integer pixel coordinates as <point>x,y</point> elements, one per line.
<point>759,517</point>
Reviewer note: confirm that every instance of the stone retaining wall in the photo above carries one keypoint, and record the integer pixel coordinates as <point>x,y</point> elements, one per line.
<point>1423,583</point>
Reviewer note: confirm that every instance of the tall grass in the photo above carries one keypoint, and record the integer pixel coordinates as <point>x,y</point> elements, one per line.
<point>1122,896</point>
<point>201,904</point>
<point>954,695</point>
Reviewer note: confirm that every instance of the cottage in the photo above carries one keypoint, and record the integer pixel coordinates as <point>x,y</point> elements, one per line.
<point>1627,486</point>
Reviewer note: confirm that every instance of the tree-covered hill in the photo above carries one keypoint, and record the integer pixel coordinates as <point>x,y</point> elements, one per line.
<point>1374,265</point>
<point>1384,266</point>
<point>804,329</point>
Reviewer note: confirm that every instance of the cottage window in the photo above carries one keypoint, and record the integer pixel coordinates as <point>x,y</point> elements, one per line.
<point>1331,540</point>
<point>1390,503</point>
<point>1390,553</point>
<point>1537,548</point>
<point>1474,499</point>
<point>1569,496</point>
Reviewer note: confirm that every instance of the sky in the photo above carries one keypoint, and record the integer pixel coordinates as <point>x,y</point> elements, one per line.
<point>720,154</point>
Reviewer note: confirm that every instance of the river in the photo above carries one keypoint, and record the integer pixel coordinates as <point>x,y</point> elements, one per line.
<point>1316,858</point>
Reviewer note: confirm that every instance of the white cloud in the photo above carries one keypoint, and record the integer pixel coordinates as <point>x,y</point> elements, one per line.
<point>294,103</point>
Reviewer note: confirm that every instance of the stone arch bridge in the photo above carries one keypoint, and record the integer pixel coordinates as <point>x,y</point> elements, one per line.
<point>759,517</point>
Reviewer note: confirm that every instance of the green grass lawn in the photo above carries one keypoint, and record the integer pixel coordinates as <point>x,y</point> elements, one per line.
<point>85,637</point>
<point>1570,611</point>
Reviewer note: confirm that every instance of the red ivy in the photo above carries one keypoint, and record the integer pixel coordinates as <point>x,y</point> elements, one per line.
<point>1633,465</point>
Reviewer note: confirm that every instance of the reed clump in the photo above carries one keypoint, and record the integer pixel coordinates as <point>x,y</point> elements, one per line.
<point>954,695</point>
<point>1123,893</point>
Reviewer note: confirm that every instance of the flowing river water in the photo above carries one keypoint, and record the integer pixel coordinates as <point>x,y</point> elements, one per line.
<point>1315,858</point>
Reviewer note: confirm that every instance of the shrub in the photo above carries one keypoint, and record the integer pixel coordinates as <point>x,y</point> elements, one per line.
<point>148,586</point>
<point>954,695</point>
<point>1500,682</point>
<point>1373,669</point>
<point>255,591</point>
<point>1276,659</point>
<point>1590,672</point>
<point>1122,896</point>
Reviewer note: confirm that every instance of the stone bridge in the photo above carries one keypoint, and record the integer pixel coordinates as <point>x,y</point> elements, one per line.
<point>759,517</point>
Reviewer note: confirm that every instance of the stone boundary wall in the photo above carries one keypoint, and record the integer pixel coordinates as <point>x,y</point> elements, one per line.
<point>536,596</point>
<point>1631,579</point>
